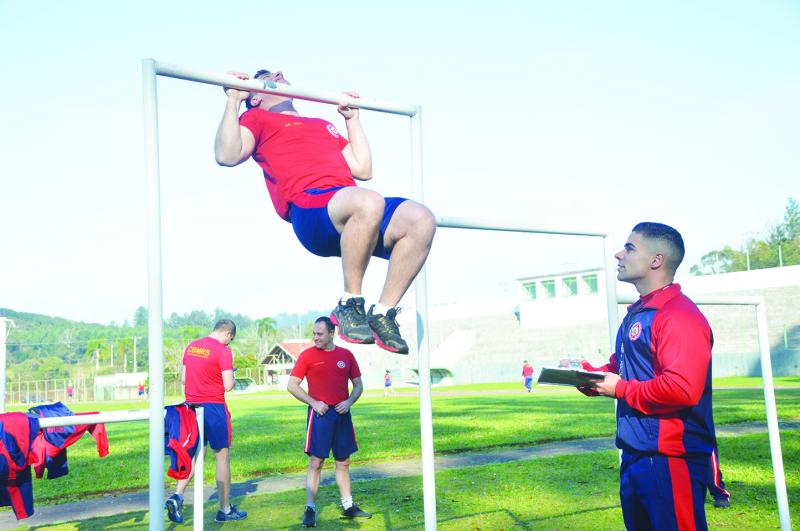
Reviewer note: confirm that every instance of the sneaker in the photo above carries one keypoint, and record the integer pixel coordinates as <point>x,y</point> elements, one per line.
<point>386,330</point>
<point>352,321</point>
<point>174,506</point>
<point>355,512</point>
<point>722,503</point>
<point>231,515</point>
<point>310,517</point>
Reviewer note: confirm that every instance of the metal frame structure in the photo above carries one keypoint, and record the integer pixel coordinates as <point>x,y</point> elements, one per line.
<point>151,69</point>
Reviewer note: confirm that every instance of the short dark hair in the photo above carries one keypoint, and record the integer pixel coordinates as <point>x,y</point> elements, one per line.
<point>666,234</point>
<point>328,323</point>
<point>262,72</point>
<point>226,325</point>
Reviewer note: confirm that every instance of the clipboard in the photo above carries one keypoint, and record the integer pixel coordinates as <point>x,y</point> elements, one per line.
<point>571,377</point>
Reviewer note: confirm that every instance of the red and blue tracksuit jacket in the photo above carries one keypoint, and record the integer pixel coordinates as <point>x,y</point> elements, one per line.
<point>17,432</point>
<point>49,449</point>
<point>181,439</point>
<point>663,354</point>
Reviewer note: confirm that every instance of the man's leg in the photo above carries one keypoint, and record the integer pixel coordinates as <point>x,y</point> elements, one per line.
<point>223,458</point>
<point>356,214</point>
<point>343,477</point>
<point>409,236</point>
<point>312,478</point>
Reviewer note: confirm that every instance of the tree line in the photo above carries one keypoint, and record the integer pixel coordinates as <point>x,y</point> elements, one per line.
<point>779,246</point>
<point>42,347</point>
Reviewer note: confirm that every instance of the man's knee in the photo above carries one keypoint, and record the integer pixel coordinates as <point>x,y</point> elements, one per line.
<point>342,463</point>
<point>315,463</point>
<point>419,221</point>
<point>369,205</point>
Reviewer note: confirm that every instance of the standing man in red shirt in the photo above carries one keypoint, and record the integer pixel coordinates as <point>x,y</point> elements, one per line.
<point>207,374</point>
<point>327,368</point>
<point>309,169</point>
<point>527,374</point>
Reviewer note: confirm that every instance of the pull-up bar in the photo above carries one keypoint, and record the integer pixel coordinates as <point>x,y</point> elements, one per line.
<point>269,87</point>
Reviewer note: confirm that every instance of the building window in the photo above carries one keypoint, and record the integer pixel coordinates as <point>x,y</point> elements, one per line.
<point>591,283</point>
<point>570,285</point>
<point>530,289</point>
<point>548,289</point>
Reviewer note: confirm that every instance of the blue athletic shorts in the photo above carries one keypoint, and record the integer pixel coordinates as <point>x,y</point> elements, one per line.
<point>217,425</point>
<point>663,493</point>
<point>315,230</point>
<point>330,431</point>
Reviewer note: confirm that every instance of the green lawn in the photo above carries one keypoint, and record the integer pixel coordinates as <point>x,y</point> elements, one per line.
<point>269,432</point>
<point>569,492</point>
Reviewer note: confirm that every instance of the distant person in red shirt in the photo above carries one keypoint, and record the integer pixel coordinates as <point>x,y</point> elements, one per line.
<point>70,391</point>
<point>329,426</point>
<point>527,375</point>
<point>387,383</point>
<point>207,374</point>
<point>310,170</point>
<point>141,390</point>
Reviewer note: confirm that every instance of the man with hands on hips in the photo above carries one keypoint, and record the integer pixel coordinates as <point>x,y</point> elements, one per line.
<point>329,425</point>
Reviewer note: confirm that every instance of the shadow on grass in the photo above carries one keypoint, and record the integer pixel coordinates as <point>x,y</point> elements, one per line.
<point>510,517</point>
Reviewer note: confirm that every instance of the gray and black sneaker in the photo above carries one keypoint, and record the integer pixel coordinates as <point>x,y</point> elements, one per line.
<point>310,517</point>
<point>174,506</point>
<point>232,515</point>
<point>355,512</point>
<point>722,502</point>
<point>352,321</point>
<point>386,330</point>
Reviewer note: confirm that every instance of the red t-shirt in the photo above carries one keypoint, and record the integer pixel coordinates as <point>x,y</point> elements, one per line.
<point>527,370</point>
<point>327,372</point>
<point>205,359</point>
<point>296,153</point>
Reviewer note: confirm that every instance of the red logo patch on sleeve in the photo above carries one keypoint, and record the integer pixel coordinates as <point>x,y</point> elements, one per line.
<point>635,331</point>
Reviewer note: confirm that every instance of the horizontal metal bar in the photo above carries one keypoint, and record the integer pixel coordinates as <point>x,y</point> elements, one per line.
<point>95,418</point>
<point>478,224</point>
<point>269,87</point>
<point>712,300</point>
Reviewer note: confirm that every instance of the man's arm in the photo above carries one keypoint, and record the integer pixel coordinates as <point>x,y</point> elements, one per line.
<point>234,143</point>
<point>357,152</point>
<point>296,391</point>
<point>227,380</point>
<point>684,354</point>
<point>344,406</point>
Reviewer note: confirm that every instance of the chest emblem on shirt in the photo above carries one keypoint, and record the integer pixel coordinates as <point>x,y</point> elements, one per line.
<point>340,364</point>
<point>332,130</point>
<point>635,331</point>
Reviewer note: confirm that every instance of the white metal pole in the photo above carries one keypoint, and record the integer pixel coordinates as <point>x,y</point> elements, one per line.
<point>199,471</point>
<point>270,87</point>
<point>155,336</point>
<point>493,225</point>
<point>4,324</point>
<point>772,419</point>
<point>611,291</point>
<point>97,418</point>
<point>423,345</point>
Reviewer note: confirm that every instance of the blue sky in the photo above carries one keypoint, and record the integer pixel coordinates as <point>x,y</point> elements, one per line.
<point>589,114</point>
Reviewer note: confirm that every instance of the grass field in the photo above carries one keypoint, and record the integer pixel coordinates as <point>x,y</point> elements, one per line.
<point>269,431</point>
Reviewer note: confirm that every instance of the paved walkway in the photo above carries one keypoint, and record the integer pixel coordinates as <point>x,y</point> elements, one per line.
<point>138,501</point>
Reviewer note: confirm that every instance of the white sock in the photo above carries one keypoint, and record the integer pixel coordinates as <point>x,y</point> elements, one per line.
<point>226,510</point>
<point>381,309</point>
<point>346,296</point>
<point>312,505</point>
<point>347,502</point>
